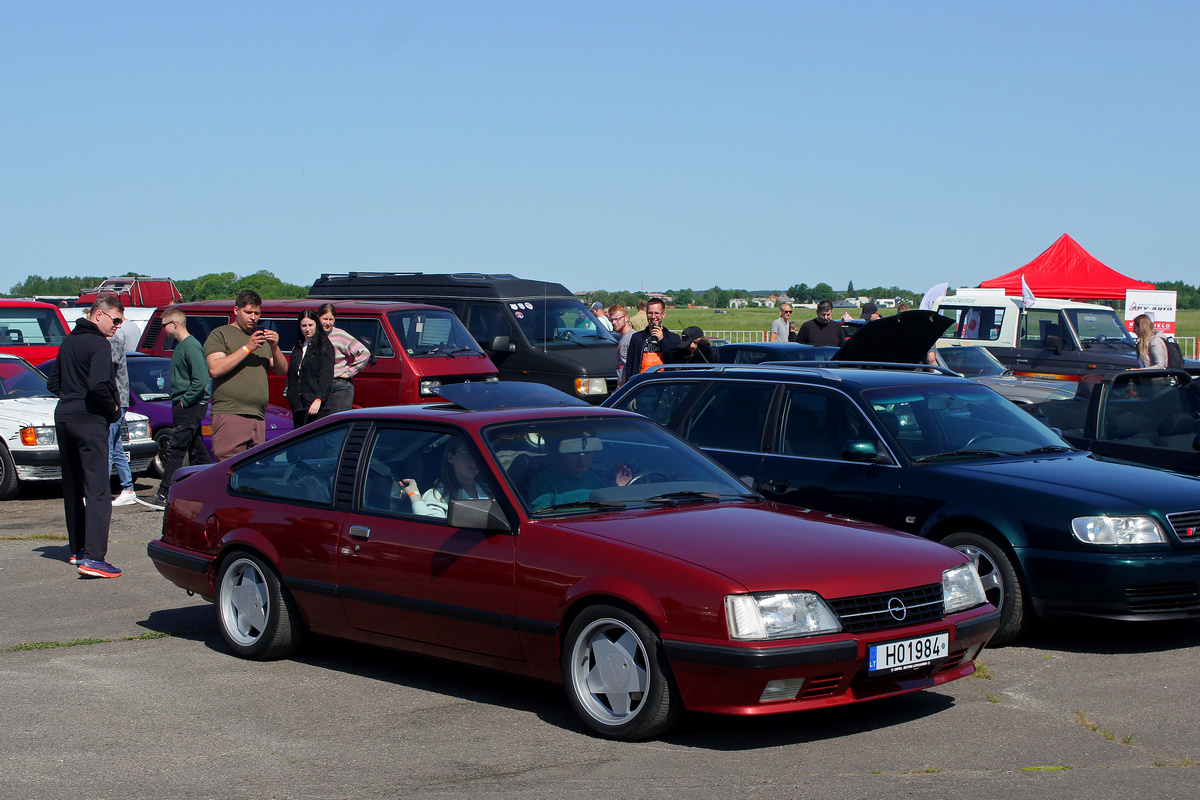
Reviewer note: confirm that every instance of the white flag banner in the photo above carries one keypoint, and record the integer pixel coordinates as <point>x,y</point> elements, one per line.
<point>1027,297</point>
<point>932,295</point>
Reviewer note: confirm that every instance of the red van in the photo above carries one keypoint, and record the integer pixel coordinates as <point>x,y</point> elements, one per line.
<point>31,330</point>
<point>415,349</point>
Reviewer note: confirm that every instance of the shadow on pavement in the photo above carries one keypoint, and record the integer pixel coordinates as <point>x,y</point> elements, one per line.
<point>1110,637</point>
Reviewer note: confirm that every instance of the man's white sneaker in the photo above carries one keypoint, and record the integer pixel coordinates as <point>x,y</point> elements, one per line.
<point>126,498</point>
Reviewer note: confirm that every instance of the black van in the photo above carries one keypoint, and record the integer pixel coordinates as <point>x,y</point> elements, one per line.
<point>532,330</point>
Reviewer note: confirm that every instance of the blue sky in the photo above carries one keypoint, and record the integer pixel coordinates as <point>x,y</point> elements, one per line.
<point>616,145</point>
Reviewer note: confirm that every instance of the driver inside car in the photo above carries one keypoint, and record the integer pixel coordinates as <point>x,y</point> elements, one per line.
<point>570,478</point>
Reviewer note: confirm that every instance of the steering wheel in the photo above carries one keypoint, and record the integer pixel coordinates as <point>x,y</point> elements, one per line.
<point>645,477</point>
<point>979,437</point>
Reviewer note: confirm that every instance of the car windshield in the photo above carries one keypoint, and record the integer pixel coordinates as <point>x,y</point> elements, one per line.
<point>1102,325</point>
<point>582,465</point>
<point>959,421</point>
<point>18,379</point>
<point>149,378</point>
<point>426,333</point>
<point>558,322</point>
<point>973,362</point>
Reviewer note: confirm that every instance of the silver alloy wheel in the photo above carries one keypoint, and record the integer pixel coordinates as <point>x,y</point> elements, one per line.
<point>989,573</point>
<point>245,602</point>
<point>610,672</point>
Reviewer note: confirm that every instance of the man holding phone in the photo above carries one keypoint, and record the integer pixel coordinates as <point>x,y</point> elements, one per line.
<point>656,334</point>
<point>238,357</point>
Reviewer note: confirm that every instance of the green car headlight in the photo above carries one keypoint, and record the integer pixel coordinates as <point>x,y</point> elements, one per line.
<point>1118,530</point>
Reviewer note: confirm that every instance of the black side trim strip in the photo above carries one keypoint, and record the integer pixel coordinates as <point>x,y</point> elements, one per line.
<point>312,587</point>
<point>537,626</point>
<point>978,626</point>
<point>192,563</point>
<point>760,658</point>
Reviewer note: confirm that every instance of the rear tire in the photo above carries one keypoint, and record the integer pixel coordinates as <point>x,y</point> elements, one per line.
<point>257,616</point>
<point>162,437</point>
<point>1001,582</point>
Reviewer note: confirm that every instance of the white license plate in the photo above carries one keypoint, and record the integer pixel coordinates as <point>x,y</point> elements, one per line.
<point>909,653</point>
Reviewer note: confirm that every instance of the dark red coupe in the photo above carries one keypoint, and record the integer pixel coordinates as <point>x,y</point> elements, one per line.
<point>512,529</point>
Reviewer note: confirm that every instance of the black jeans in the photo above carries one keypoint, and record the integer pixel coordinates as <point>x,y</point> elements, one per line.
<point>186,440</point>
<point>83,452</point>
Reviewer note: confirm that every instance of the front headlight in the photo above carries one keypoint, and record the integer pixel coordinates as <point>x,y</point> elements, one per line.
<point>586,386</point>
<point>1118,530</point>
<point>430,387</point>
<point>962,589</point>
<point>34,435</point>
<point>778,615</point>
<point>138,428</point>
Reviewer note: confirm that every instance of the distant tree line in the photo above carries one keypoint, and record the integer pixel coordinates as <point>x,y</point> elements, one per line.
<point>213,286</point>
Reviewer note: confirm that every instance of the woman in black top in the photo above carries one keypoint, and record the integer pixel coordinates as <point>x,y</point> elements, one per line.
<point>310,370</point>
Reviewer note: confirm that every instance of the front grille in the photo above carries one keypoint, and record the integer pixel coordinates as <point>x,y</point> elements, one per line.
<point>1186,525</point>
<point>871,612</point>
<point>821,686</point>
<point>1153,597</point>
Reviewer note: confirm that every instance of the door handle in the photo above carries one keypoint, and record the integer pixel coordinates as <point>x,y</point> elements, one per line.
<point>777,485</point>
<point>360,532</point>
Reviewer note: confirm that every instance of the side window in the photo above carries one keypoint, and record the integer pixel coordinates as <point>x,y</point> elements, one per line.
<point>1037,325</point>
<point>750,357</point>
<point>661,401</point>
<point>287,327</point>
<point>731,416</point>
<point>486,321</point>
<point>441,466</point>
<point>982,322</point>
<point>198,326</point>
<point>816,423</point>
<point>370,332</point>
<point>303,471</point>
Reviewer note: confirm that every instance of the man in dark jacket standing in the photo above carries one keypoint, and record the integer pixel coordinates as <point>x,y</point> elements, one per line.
<point>84,379</point>
<point>656,309</point>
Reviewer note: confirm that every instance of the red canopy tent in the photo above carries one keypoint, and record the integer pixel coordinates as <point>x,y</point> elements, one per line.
<point>1066,270</point>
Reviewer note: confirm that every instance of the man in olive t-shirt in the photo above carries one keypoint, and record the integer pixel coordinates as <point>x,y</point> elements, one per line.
<point>238,357</point>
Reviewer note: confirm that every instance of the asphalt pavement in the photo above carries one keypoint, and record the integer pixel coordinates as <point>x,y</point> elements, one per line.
<point>123,689</point>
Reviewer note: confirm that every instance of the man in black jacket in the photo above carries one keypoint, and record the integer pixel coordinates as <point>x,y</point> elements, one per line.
<point>656,309</point>
<point>85,382</point>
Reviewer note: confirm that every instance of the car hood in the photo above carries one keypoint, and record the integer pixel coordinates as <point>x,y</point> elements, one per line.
<point>20,411</point>
<point>769,546</point>
<point>902,338</point>
<point>1076,483</point>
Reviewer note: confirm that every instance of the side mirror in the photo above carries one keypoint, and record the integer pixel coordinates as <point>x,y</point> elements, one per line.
<point>862,451</point>
<point>1054,342</point>
<point>483,515</point>
<point>502,344</point>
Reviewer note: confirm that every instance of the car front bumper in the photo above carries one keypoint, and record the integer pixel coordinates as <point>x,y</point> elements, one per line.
<point>44,464</point>
<point>730,679</point>
<point>1159,585</point>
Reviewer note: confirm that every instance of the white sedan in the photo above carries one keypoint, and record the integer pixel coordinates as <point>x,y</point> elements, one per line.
<point>29,450</point>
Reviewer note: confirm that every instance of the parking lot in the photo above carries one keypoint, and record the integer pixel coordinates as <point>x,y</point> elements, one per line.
<point>146,702</point>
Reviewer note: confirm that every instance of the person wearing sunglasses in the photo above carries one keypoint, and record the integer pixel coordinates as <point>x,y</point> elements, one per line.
<point>85,381</point>
<point>779,328</point>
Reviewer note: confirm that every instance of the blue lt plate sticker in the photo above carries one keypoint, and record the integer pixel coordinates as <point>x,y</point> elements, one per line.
<point>908,653</point>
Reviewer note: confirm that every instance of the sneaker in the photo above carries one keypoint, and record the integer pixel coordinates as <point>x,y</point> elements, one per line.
<point>125,498</point>
<point>98,569</point>
<point>75,558</point>
<point>157,502</point>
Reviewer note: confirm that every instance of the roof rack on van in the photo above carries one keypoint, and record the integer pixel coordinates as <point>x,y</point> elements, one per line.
<point>812,367</point>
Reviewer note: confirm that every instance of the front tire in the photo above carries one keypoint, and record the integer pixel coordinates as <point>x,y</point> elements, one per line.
<point>1001,582</point>
<point>616,675</point>
<point>257,617</point>
<point>162,437</point>
<point>10,487</point>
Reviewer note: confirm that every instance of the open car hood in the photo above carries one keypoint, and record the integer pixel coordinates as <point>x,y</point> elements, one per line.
<point>900,339</point>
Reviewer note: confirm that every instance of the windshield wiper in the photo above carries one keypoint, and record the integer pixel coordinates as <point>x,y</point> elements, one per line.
<point>1050,448</point>
<point>582,505</point>
<point>674,498</point>
<point>472,350</point>
<point>986,453</point>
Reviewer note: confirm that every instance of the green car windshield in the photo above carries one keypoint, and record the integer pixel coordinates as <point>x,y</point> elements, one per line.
<point>940,422</point>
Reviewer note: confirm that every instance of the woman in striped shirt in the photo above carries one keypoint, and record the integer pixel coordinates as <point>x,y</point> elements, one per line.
<point>349,357</point>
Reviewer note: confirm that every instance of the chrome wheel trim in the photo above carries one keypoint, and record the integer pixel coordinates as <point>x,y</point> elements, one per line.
<point>610,672</point>
<point>989,573</point>
<point>245,602</point>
